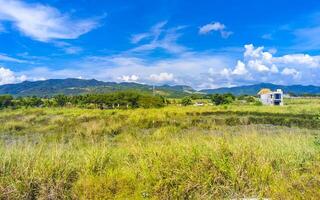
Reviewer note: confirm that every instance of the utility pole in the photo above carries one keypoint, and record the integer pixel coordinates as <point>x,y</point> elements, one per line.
<point>154,90</point>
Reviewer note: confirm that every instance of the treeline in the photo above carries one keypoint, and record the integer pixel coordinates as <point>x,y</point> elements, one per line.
<point>124,99</point>
<point>304,95</point>
<point>220,99</point>
<point>121,99</point>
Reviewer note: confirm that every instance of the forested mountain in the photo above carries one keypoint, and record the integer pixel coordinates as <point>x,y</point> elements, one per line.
<point>254,89</point>
<point>72,86</point>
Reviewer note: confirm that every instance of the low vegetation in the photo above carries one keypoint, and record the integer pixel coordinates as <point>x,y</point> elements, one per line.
<point>174,152</point>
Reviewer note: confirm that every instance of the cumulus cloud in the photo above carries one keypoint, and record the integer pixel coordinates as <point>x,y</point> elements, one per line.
<point>259,65</point>
<point>199,70</point>
<point>128,78</point>
<point>215,26</point>
<point>42,22</point>
<point>300,60</point>
<point>7,76</point>
<point>162,77</point>
<point>187,69</point>
<point>240,69</point>
<point>290,72</point>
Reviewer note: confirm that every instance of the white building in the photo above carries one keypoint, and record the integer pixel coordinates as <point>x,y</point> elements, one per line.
<point>267,97</point>
<point>199,104</point>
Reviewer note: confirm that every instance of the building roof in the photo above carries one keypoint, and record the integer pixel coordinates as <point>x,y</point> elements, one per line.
<point>264,91</point>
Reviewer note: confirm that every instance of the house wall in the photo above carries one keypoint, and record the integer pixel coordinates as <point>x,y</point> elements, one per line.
<point>269,99</point>
<point>266,99</point>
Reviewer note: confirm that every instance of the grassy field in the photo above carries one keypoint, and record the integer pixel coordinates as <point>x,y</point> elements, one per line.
<point>211,152</point>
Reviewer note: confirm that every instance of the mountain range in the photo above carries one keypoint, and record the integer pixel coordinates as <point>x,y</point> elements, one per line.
<point>254,89</point>
<point>72,86</point>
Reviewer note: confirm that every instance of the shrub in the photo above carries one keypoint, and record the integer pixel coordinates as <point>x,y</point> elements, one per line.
<point>258,103</point>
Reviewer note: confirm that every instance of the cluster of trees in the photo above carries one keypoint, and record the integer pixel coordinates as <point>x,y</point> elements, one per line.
<point>186,101</point>
<point>219,99</point>
<point>126,99</point>
<point>247,98</point>
<point>122,99</point>
<point>5,101</point>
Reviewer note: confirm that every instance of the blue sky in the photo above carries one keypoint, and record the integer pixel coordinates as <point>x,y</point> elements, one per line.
<point>204,43</point>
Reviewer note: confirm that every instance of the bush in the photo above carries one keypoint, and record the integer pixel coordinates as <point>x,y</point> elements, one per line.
<point>258,103</point>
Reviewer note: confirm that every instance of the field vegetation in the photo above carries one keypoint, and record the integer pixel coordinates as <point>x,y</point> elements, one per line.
<point>235,150</point>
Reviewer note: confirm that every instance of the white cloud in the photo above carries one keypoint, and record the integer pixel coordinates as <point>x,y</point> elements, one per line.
<point>139,37</point>
<point>240,69</point>
<point>72,50</point>
<point>300,59</point>
<point>162,77</point>
<point>6,58</point>
<point>259,65</point>
<point>186,69</point>
<point>67,47</point>
<point>154,32</point>
<point>128,78</point>
<point>159,38</point>
<point>7,76</point>
<point>42,22</point>
<point>274,69</point>
<point>225,72</point>
<point>199,70</point>
<point>256,53</point>
<point>215,26</point>
<point>290,72</point>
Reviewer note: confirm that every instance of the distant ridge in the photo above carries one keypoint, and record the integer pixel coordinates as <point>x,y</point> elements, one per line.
<point>254,89</point>
<point>73,86</point>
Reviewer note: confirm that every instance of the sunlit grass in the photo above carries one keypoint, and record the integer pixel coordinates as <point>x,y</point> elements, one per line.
<point>156,154</point>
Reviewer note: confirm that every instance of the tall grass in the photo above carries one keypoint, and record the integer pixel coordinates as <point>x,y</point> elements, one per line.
<point>153,154</point>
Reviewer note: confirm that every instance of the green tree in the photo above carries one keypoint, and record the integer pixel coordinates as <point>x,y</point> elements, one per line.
<point>61,99</point>
<point>5,101</point>
<point>185,101</point>
<point>219,99</point>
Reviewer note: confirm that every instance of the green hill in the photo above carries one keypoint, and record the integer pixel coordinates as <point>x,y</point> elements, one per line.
<point>72,86</point>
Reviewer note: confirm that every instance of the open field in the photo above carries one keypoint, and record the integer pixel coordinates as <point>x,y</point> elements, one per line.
<point>210,152</point>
